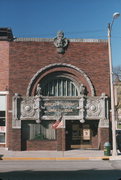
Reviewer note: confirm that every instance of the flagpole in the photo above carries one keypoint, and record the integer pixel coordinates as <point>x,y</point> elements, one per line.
<point>63,137</point>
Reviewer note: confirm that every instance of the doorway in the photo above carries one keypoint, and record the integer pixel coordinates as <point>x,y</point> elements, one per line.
<point>80,135</point>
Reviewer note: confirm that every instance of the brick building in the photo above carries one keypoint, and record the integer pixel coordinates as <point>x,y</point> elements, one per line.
<point>45,81</point>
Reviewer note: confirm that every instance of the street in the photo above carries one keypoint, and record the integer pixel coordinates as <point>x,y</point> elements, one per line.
<point>60,170</point>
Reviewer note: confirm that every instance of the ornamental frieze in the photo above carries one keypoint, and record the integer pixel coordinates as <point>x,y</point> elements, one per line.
<point>93,108</point>
<point>28,108</point>
<point>49,108</point>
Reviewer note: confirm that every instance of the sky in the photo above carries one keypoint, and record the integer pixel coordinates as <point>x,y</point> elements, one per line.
<point>85,19</point>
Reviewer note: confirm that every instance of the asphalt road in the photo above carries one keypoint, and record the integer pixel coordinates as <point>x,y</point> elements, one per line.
<point>60,170</point>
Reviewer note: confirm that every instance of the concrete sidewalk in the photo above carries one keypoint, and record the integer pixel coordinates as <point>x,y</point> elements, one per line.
<point>55,155</point>
<point>51,155</point>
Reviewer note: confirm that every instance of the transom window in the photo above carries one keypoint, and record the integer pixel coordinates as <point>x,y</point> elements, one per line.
<point>60,87</point>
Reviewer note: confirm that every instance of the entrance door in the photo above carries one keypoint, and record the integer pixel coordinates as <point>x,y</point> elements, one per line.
<point>86,136</point>
<point>78,135</point>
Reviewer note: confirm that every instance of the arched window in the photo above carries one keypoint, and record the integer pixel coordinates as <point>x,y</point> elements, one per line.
<point>60,86</point>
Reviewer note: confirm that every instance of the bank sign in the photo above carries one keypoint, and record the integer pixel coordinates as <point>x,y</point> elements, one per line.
<point>49,108</point>
<point>65,107</point>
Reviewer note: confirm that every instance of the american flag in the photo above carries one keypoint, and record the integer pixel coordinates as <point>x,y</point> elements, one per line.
<point>58,123</point>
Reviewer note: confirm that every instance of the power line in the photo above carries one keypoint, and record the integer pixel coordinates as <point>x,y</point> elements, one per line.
<point>67,33</point>
<point>116,36</point>
<point>78,32</point>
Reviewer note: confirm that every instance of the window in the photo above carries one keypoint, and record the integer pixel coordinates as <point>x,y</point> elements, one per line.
<point>60,87</point>
<point>42,131</point>
<point>2,118</point>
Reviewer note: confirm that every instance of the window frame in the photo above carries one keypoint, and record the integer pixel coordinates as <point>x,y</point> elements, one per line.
<point>66,79</point>
<point>4,93</point>
<point>41,132</point>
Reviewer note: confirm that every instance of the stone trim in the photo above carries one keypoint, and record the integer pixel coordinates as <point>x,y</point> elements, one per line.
<point>61,65</point>
<point>70,40</point>
<point>39,108</point>
<point>4,92</point>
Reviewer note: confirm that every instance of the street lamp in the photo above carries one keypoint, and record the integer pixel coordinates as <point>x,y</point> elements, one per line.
<point>114,149</point>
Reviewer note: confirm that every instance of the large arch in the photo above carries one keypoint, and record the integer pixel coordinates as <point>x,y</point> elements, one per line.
<point>60,67</point>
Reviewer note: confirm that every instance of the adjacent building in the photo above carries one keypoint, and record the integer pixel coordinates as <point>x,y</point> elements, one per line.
<point>54,93</point>
<point>117,95</point>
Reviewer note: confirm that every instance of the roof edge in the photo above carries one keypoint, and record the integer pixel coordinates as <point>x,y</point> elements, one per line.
<point>52,39</point>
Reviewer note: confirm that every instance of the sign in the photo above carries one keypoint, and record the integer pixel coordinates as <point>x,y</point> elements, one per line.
<point>65,107</point>
<point>2,103</point>
<point>86,134</point>
<point>2,129</point>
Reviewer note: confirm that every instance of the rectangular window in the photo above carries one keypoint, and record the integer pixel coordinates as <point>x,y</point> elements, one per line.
<point>2,118</point>
<point>42,131</point>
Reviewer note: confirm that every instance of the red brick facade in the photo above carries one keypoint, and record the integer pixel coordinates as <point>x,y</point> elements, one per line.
<point>21,60</point>
<point>26,58</point>
<point>4,65</point>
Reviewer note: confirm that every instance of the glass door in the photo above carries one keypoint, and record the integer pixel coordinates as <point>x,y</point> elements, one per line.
<point>78,135</point>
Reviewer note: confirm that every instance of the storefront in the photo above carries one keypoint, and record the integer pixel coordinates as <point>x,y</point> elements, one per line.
<point>51,81</point>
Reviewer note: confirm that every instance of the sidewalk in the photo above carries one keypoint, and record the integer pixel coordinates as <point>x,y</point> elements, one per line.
<point>55,155</point>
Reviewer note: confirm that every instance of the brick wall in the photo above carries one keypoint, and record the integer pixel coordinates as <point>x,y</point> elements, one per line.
<point>15,144</point>
<point>41,145</point>
<point>61,140</point>
<point>4,65</point>
<point>26,58</point>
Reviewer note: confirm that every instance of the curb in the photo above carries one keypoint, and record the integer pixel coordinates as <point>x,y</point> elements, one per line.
<point>55,158</point>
